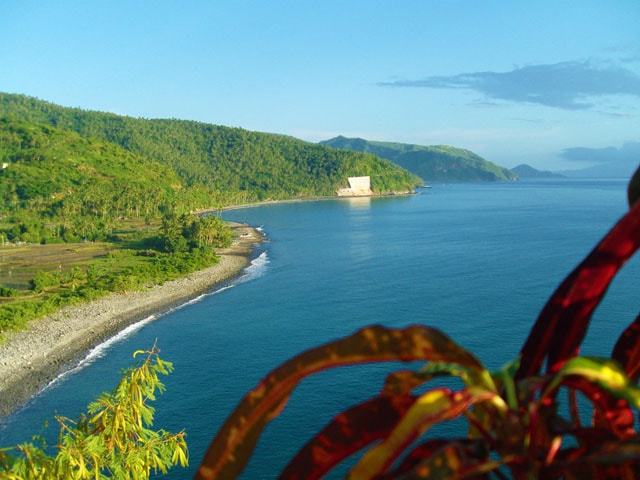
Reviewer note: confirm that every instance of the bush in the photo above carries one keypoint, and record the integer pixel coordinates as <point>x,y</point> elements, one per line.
<point>8,292</point>
<point>42,281</point>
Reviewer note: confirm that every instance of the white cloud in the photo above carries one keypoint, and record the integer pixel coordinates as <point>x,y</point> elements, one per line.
<point>573,85</point>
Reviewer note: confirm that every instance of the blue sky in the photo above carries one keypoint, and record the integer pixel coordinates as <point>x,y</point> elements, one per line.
<point>555,84</point>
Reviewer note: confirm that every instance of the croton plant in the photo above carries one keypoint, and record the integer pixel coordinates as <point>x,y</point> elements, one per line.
<point>524,421</point>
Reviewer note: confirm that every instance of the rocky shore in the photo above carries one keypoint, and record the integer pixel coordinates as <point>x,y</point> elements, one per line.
<point>30,359</point>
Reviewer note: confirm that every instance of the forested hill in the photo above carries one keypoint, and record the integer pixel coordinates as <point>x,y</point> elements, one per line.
<point>218,165</point>
<point>49,169</point>
<point>432,163</point>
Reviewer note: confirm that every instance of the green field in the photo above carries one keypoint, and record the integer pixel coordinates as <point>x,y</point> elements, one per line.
<point>20,263</point>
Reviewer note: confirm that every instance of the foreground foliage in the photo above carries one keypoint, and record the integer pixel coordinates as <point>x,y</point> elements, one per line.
<point>112,440</point>
<point>518,425</point>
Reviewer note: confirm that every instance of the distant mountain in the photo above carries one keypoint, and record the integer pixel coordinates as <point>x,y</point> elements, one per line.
<point>432,163</point>
<point>608,162</point>
<point>527,171</point>
<point>605,171</point>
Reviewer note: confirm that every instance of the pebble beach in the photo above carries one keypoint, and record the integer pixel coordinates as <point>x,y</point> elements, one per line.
<point>32,358</point>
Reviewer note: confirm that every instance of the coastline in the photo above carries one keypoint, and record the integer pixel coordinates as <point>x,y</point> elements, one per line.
<point>303,200</point>
<point>30,359</point>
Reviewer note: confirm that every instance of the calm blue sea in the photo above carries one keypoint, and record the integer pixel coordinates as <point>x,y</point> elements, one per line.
<point>475,260</point>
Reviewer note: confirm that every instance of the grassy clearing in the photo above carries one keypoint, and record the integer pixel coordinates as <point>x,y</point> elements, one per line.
<point>37,280</point>
<point>19,263</point>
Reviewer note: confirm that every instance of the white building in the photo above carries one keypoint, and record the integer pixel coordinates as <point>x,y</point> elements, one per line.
<point>358,187</point>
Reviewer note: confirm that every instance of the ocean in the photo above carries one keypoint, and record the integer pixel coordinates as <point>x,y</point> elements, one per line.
<point>476,260</point>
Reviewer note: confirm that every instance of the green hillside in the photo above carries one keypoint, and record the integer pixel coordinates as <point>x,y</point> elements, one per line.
<point>220,165</point>
<point>55,177</point>
<point>43,163</point>
<point>432,163</point>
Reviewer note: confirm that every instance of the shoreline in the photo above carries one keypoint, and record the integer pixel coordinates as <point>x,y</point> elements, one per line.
<point>302,200</point>
<point>30,359</point>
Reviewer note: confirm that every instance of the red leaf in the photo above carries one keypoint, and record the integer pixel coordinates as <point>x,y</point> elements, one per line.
<point>471,451</point>
<point>627,350</point>
<point>403,381</point>
<point>445,460</point>
<point>350,431</point>
<point>613,460</point>
<point>230,449</point>
<point>431,408</point>
<point>563,322</point>
<point>633,191</point>
<point>610,412</point>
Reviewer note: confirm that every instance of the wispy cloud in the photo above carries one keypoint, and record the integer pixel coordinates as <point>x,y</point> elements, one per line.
<point>627,53</point>
<point>567,85</point>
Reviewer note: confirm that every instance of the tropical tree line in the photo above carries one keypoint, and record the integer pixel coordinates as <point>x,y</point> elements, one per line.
<point>68,175</point>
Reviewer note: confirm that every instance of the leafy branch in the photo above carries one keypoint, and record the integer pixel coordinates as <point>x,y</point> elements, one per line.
<point>114,438</point>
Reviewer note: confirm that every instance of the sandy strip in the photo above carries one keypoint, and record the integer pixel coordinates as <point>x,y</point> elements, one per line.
<point>30,359</point>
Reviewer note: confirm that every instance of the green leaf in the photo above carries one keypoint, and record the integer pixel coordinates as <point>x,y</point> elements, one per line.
<point>602,372</point>
<point>114,442</point>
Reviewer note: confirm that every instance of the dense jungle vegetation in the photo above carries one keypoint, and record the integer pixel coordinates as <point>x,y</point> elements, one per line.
<point>221,165</point>
<point>441,163</point>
